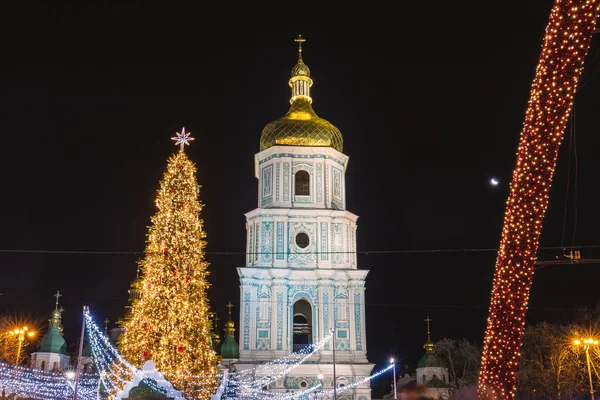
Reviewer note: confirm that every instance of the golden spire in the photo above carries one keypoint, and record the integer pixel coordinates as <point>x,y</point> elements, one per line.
<point>300,81</point>
<point>428,346</point>
<point>229,325</point>
<point>299,40</point>
<point>55,318</point>
<point>57,295</point>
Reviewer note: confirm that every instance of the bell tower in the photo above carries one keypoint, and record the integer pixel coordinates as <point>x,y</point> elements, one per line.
<point>301,277</point>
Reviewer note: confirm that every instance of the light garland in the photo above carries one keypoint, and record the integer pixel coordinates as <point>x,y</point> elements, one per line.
<point>235,391</point>
<point>566,43</point>
<point>271,371</point>
<point>38,384</point>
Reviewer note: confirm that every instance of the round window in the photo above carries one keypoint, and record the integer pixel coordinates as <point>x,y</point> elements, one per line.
<point>303,384</point>
<point>302,240</point>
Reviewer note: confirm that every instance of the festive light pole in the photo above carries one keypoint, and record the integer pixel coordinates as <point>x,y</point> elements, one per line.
<point>587,343</point>
<point>393,362</point>
<point>20,333</point>
<point>566,43</point>
<point>77,371</point>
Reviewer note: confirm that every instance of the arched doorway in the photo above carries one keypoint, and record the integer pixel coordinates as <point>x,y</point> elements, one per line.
<point>302,328</point>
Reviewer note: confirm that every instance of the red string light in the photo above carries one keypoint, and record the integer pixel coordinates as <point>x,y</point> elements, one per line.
<point>565,46</point>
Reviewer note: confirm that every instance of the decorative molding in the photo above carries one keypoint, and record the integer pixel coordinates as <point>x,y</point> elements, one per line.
<point>279,239</point>
<point>357,322</point>
<point>337,243</point>
<point>342,163</point>
<point>250,242</point>
<point>302,256</point>
<point>319,182</point>
<point>286,181</point>
<point>266,241</point>
<point>324,238</point>
<point>279,321</point>
<point>246,321</point>
<point>277,181</point>
<point>326,317</point>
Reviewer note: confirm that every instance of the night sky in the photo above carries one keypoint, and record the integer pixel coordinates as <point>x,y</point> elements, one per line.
<point>430,100</point>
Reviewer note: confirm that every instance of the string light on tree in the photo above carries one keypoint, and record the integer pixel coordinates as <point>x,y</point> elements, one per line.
<point>565,46</point>
<point>170,323</point>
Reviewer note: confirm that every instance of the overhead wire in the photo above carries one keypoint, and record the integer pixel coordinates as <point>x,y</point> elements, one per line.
<point>234,253</point>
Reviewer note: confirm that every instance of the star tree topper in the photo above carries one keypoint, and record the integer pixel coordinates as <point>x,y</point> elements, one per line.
<point>182,138</point>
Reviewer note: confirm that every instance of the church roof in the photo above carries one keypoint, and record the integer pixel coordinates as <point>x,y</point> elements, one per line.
<point>53,342</point>
<point>301,126</point>
<point>430,360</point>
<point>230,349</point>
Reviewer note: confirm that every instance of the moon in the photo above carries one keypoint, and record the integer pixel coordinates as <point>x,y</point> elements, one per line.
<point>494,182</point>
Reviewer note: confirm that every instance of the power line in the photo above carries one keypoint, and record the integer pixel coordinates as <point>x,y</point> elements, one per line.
<point>350,303</point>
<point>234,253</point>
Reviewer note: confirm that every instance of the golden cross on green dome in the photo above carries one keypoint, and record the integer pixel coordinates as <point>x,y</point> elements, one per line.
<point>428,320</point>
<point>57,295</point>
<point>229,305</point>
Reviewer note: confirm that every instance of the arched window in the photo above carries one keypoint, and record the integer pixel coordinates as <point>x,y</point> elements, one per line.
<point>302,325</point>
<point>43,365</point>
<point>302,183</point>
<point>54,366</point>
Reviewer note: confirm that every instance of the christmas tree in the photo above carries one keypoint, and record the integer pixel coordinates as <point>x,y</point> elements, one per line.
<point>170,323</point>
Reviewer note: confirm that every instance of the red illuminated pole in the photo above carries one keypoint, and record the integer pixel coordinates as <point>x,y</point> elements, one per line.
<point>565,46</point>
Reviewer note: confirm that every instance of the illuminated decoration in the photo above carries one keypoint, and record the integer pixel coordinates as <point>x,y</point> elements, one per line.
<point>148,374</point>
<point>260,376</point>
<point>170,324</point>
<point>301,126</point>
<point>182,138</point>
<point>565,46</point>
<point>38,384</point>
<point>235,391</point>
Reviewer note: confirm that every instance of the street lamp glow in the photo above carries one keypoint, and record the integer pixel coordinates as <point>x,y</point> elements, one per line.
<point>587,343</point>
<point>70,374</point>
<point>391,360</point>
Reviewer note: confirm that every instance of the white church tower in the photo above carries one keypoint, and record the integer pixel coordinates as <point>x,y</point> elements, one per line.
<point>52,352</point>
<point>301,277</point>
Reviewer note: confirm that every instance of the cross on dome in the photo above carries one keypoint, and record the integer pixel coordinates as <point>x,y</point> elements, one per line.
<point>57,295</point>
<point>300,40</point>
<point>428,320</point>
<point>229,305</point>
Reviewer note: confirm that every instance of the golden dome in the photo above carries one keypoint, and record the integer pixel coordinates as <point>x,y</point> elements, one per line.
<point>301,126</point>
<point>300,69</point>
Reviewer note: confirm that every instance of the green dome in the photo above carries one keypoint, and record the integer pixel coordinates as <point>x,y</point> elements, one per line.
<point>230,348</point>
<point>53,342</point>
<point>430,360</point>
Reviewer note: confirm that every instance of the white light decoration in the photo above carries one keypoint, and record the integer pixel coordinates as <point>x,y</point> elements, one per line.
<point>182,138</point>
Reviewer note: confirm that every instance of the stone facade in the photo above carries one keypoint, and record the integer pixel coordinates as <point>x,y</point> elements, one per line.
<point>301,271</point>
